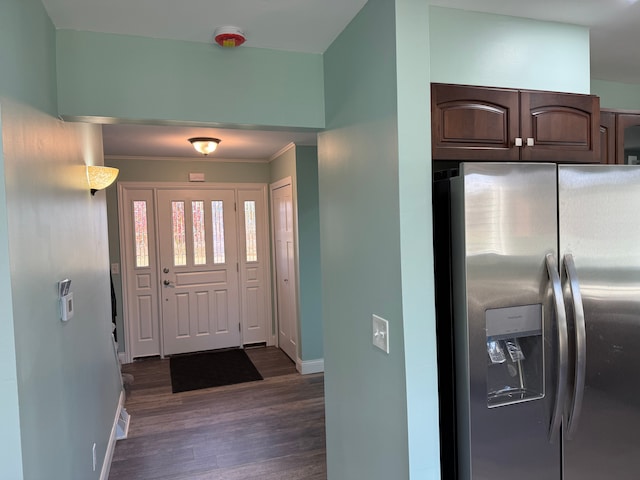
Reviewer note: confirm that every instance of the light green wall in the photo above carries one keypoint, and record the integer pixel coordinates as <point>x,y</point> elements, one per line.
<point>25,43</point>
<point>27,54</point>
<point>365,389</point>
<point>283,166</point>
<point>138,78</point>
<point>10,444</point>
<point>414,177</point>
<point>150,170</point>
<point>310,280</point>
<point>493,50</point>
<point>59,382</point>
<point>68,378</point>
<point>136,170</point>
<point>616,95</point>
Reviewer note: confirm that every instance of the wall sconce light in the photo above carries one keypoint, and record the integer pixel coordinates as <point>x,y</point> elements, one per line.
<point>100,177</point>
<point>205,145</point>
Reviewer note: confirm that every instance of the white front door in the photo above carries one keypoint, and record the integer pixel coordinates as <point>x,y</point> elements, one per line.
<point>283,232</point>
<point>198,269</point>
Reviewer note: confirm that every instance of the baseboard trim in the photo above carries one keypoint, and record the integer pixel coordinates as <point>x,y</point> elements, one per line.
<point>307,367</point>
<point>122,356</point>
<point>108,456</point>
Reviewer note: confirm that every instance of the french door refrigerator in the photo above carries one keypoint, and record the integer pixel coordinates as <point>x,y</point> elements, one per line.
<point>538,284</point>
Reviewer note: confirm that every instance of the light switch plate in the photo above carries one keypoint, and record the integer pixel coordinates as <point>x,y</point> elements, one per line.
<point>380,333</point>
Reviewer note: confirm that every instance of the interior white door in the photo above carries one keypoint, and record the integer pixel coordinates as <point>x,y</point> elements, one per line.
<point>284,239</point>
<point>199,269</point>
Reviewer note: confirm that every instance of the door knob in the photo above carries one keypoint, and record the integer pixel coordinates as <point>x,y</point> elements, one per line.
<point>165,270</point>
<point>167,283</point>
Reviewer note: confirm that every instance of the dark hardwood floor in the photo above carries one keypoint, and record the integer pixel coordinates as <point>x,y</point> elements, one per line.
<point>270,429</point>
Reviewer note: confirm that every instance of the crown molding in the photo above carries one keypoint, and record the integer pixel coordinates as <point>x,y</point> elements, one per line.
<point>281,151</point>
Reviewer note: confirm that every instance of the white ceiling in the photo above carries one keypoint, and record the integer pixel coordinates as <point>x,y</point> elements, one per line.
<point>310,26</point>
<point>172,142</point>
<point>294,25</point>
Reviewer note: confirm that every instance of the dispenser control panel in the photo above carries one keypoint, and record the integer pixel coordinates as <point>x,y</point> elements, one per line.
<point>520,321</point>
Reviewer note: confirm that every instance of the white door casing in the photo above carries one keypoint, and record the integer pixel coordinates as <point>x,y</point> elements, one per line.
<point>285,263</point>
<point>145,297</point>
<point>200,298</point>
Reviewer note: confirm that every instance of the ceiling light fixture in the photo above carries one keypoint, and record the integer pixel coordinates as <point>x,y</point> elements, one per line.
<point>229,37</point>
<point>100,177</point>
<point>205,145</point>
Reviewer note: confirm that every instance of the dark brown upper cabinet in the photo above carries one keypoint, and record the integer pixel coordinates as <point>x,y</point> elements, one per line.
<point>499,124</point>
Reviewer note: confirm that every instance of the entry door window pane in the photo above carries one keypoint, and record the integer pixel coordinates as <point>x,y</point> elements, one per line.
<point>141,235</point>
<point>217,212</point>
<point>199,242</point>
<point>179,237</point>
<point>250,231</point>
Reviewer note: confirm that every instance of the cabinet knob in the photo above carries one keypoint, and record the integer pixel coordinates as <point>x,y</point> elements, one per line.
<point>530,142</point>
<point>518,142</point>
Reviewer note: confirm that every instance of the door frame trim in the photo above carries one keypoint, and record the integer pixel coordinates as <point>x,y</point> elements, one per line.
<point>154,187</point>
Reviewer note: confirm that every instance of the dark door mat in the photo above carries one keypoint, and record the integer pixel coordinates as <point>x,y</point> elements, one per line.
<point>194,371</point>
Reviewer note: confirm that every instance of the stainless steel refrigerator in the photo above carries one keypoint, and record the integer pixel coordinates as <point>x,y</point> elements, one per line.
<point>539,321</point>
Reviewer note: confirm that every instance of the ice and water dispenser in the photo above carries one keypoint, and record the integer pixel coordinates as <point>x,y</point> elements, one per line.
<point>515,354</point>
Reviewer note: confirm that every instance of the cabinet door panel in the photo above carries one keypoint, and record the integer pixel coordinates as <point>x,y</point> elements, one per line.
<point>473,123</point>
<point>564,127</point>
<point>607,137</point>
<point>625,124</point>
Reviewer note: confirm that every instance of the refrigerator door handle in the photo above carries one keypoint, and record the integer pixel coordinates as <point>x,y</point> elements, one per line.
<point>563,358</point>
<point>581,345</point>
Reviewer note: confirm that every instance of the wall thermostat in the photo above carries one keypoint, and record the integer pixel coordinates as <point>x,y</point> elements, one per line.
<point>66,299</point>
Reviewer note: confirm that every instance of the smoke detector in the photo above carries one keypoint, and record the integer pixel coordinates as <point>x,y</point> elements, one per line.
<point>229,37</point>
